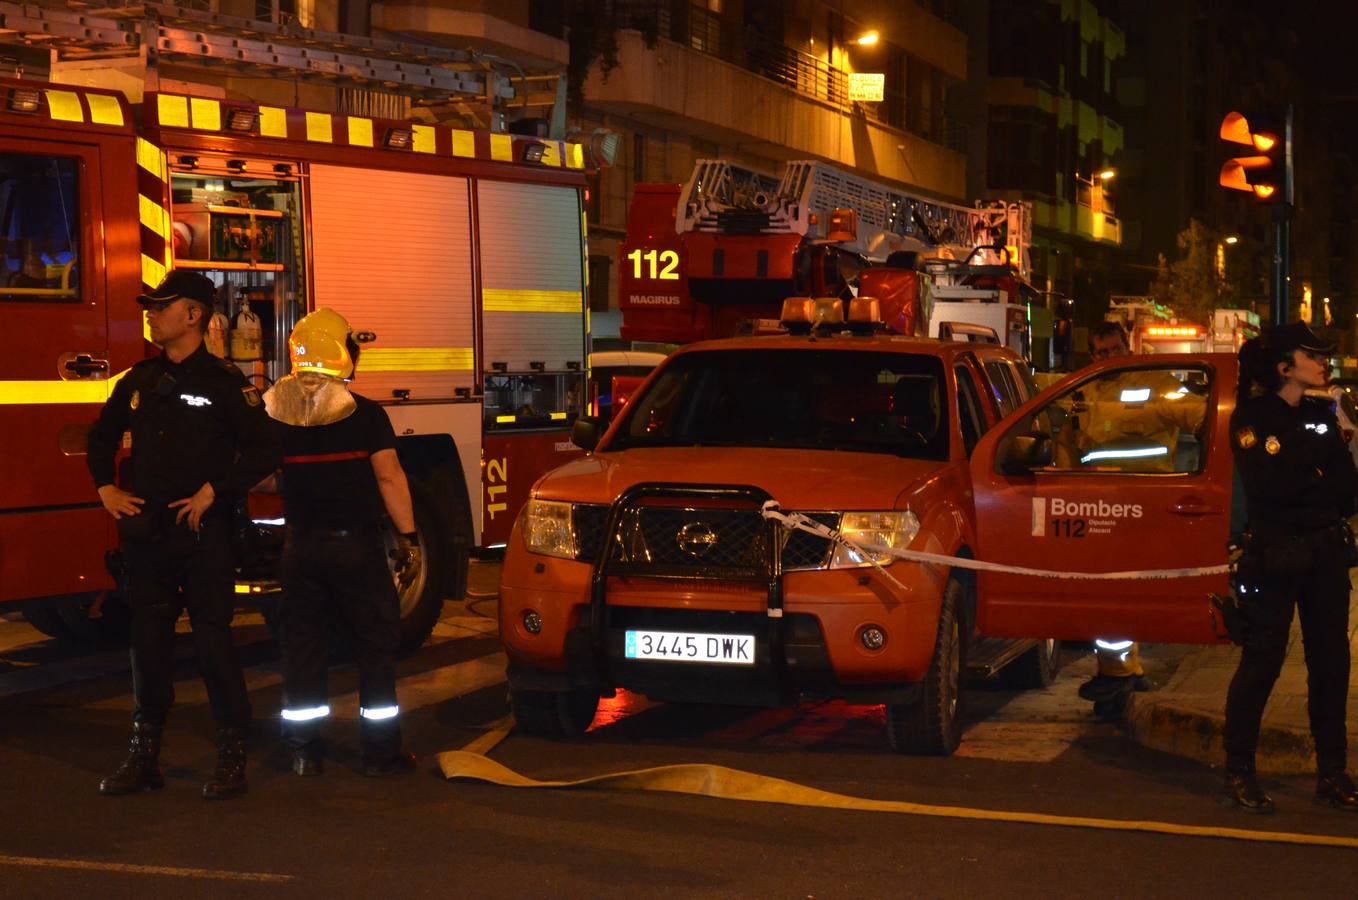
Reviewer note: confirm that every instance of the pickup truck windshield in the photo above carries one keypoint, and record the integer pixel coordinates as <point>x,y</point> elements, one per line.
<point>862,401</point>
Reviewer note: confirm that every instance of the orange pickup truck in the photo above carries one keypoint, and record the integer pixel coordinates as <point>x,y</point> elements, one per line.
<point>648,566</point>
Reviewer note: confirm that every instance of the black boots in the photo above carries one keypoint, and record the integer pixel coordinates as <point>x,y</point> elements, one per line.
<point>140,771</point>
<point>229,779</point>
<point>1338,791</point>
<point>307,763</point>
<point>1244,793</point>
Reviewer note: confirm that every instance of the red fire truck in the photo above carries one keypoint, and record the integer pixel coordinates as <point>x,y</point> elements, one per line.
<point>462,250</point>
<point>716,256</point>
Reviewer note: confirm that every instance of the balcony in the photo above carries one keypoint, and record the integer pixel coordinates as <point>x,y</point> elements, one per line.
<point>469,23</point>
<point>778,103</point>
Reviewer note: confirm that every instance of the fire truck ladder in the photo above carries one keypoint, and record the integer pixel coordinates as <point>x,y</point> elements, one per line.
<point>727,199</point>
<point>192,37</point>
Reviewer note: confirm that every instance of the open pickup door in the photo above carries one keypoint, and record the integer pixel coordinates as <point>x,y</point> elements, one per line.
<point>1122,466</point>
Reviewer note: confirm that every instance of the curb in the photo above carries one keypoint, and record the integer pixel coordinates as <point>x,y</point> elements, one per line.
<point>1162,724</point>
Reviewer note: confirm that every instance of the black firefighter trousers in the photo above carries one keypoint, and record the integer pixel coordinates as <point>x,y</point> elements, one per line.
<point>171,568</point>
<point>330,578</point>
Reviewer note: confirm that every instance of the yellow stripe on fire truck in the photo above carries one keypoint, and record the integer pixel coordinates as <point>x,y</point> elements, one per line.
<point>29,393</point>
<point>503,300</point>
<point>245,118</point>
<point>153,179</point>
<point>59,105</point>
<point>417,359</point>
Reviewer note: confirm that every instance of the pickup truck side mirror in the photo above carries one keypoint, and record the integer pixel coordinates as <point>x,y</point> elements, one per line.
<point>1027,452</point>
<point>585,433</point>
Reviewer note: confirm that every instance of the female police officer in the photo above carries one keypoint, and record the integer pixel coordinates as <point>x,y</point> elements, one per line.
<point>1299,486</point>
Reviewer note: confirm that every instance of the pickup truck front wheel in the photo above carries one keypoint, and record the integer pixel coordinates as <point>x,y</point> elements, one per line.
<point>932,724</point>
<point>554,713</point>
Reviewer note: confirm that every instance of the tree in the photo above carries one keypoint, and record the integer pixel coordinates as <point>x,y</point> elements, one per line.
<point>1193,285</point>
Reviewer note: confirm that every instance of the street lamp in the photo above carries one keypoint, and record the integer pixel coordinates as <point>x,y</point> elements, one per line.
<point>867,39</point>
<point>1232,239</point>
<point>1107,174</point>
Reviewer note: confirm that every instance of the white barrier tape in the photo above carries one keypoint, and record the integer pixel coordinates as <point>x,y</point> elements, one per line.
<point>800,522</point>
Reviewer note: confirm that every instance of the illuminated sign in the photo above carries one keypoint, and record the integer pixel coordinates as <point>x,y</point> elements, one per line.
<point>866,86</point>
<point>1188,331</point>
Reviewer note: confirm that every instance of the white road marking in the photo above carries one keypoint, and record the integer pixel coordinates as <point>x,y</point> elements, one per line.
<point>42,862</point>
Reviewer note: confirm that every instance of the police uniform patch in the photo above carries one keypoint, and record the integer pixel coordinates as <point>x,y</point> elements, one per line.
<point>1272,445</point>
<point>251,395</point>
<point>1245,438</point>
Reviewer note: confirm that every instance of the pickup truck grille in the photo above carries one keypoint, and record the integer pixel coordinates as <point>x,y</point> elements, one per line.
<point>679,538</point>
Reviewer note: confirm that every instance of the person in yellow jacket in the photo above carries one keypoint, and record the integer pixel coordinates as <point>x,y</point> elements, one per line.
<point>1126,422</point>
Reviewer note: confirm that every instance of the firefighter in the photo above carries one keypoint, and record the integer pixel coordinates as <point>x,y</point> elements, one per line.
<point>340,473</point>
<point>1108,421</point>
<point>1300,486</point>
<point>200,441</point>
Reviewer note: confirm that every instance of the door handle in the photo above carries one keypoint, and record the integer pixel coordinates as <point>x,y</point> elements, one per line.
<point>74,366</point>
<point>1191,506</point>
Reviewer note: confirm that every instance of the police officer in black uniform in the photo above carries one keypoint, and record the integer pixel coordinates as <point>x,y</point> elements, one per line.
<point>1300,487</point>
<point>340,474</point>
<point>200,441</point>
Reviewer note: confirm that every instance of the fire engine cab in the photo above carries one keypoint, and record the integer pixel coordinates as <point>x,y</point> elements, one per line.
<point>655,564</point>
<point>462,251</point>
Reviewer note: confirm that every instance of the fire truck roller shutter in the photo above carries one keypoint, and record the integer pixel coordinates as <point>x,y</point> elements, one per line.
<point>532,278</point>
<point>392,255</point>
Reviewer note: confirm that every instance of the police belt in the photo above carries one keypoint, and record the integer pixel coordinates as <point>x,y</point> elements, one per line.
<point>371,530</point>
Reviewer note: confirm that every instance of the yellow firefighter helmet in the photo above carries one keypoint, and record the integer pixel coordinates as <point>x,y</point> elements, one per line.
<point>318,344</point>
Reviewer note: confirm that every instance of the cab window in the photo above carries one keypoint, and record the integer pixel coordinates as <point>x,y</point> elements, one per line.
<point>39,228</point>
<point>969,414</point>
<point>1140,420</point>
<point>1007,393</point>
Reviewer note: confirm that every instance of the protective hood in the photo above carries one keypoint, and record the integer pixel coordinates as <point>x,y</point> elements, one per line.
<point>309,400</point>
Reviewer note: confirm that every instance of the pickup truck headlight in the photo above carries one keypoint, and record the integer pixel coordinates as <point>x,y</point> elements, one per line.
<point>549,528</point>
<point>893,530</point>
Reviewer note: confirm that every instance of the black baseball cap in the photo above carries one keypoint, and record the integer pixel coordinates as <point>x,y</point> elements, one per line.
<point>182,284</point>
<point>1296,336</point>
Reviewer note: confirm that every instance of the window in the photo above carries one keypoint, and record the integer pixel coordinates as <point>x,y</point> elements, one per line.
<point>1007,393</point>
<point>1145,420</point>
<point>638,157</point>
<point>39,228</point>
<point>532,401</point>
<point>969,414</point>
<point>891,403</point>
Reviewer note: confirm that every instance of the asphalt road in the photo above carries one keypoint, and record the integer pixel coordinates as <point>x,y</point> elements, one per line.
<point>63,724</point>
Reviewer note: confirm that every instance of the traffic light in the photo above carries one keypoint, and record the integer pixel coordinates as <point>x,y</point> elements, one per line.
<point>1267,171</point>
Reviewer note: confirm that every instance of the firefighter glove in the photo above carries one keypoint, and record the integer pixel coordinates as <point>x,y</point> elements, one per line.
<point>407,559</point>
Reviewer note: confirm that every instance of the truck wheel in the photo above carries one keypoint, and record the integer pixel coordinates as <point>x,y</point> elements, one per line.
<point>43,615</point>
<point>554,713</point>
<point>82,620</point>
<point>932,724</point>
<point>1037,668</point>
<point>98,619</point>
<point>422,599</point>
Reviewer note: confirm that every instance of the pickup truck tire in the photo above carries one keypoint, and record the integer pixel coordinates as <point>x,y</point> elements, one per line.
<point>554,713</point>
<point>1037,668</point>
<point>932,724</point>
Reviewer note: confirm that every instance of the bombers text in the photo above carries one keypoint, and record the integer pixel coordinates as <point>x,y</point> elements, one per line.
<point>1095,508</point>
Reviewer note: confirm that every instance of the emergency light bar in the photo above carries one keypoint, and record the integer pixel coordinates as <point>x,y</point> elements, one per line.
<point>1188,331</point>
